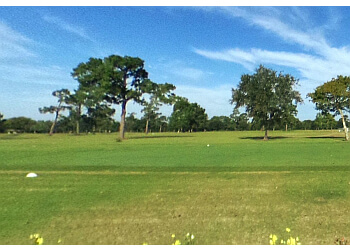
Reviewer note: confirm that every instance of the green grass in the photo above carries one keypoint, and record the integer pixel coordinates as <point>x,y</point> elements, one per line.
<point>92,189</point>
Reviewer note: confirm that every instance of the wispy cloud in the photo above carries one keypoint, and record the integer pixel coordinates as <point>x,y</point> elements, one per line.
<point>179,69</point>
<point>319,63</point>
<point>73,29</point>
<point>13,44</point>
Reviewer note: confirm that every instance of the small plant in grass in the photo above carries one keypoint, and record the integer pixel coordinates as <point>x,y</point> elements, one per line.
<point>189,240</point>
<point>290,240</point>
<point>37,239</point>
<point>341,241</point>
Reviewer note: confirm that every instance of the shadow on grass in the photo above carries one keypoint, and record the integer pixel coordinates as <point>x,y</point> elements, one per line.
<point>157,136</point>
<point>262,137</point>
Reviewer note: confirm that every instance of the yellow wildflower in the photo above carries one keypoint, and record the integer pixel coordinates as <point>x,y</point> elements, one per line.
<point>59,241</point>
<point>297,239</point>
<point>144,243</point>
<point>281,241</point>
<point>288,229</point>
<point>177,242</point>
<point>173,236</point>
<point>271,242</point>
<point>31,237</point>
<point>40,241</point>
<point>274,239</point>
<point>192,237</point>
<point>292,241</point>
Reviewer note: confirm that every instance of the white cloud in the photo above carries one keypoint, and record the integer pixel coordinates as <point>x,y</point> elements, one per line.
<point>319,63</point>
<point>74,29</point>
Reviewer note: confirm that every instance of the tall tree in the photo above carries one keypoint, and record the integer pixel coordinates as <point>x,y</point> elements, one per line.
<point>116,80</point>
<point>267,97</point>
<point>334,97</point>
<point>62,96</point>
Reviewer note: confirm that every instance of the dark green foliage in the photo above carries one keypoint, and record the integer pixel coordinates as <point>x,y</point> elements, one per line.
<point>20,124</point>
<point>63,95</point>
<point>268,97</point>
<point>221,123</point>
<point>117,80</point>
<point>325,121</point>
<point>334,97</point>
<point>2,127</point>
<point>133,124</point>
<point>187,116</point>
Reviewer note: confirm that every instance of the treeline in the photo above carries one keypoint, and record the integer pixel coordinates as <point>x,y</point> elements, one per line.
<point>234,122</point>
<point>268,98</point>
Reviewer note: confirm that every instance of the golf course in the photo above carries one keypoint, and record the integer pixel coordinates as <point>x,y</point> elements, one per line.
<point>224,188</point>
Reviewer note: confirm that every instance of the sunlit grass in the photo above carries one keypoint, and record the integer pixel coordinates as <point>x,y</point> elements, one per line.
<point>91,189</point>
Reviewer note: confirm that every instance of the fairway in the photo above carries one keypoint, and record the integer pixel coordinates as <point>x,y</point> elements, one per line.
<point>223,187</point>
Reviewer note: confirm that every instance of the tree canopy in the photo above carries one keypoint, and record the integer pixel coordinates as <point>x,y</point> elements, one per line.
<point>334,97</point>
<point>117,80</point>
<point>187,116</point>
<point>62,95</point>
<point>267,97</point>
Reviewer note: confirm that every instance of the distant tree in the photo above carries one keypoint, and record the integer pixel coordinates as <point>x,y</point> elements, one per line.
<point>325,121</point>
<point>62,96</point>
<point>267,97</point>
<point>217,123</point>
<point>116,80</point>
<point>76,102</point>
<point>20,124</point>
<point>161,94</point>
<point>307,124</point>
<point>240,121</point>
<point>333,97</point>
<point>294,123</point>
<point>133,124</point>
<point>187,116</point>
<point>101,117</point>
<point>162,123</point>
<point>41,127</point>
<point>2,128</point>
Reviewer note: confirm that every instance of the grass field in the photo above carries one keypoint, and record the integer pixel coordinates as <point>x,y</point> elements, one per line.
<point>92,189</point>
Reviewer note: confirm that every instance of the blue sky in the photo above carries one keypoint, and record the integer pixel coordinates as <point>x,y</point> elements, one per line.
<point>203,51</point>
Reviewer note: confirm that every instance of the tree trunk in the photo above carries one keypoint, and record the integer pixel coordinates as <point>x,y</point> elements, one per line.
<point>122,120</point>
<point>266,137</point>
<point>54,123</point>
<point>344,125</point>
<point>286,127</point>
<point>146,129</point>
<point>78,120</point>
<point>77,128</point>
